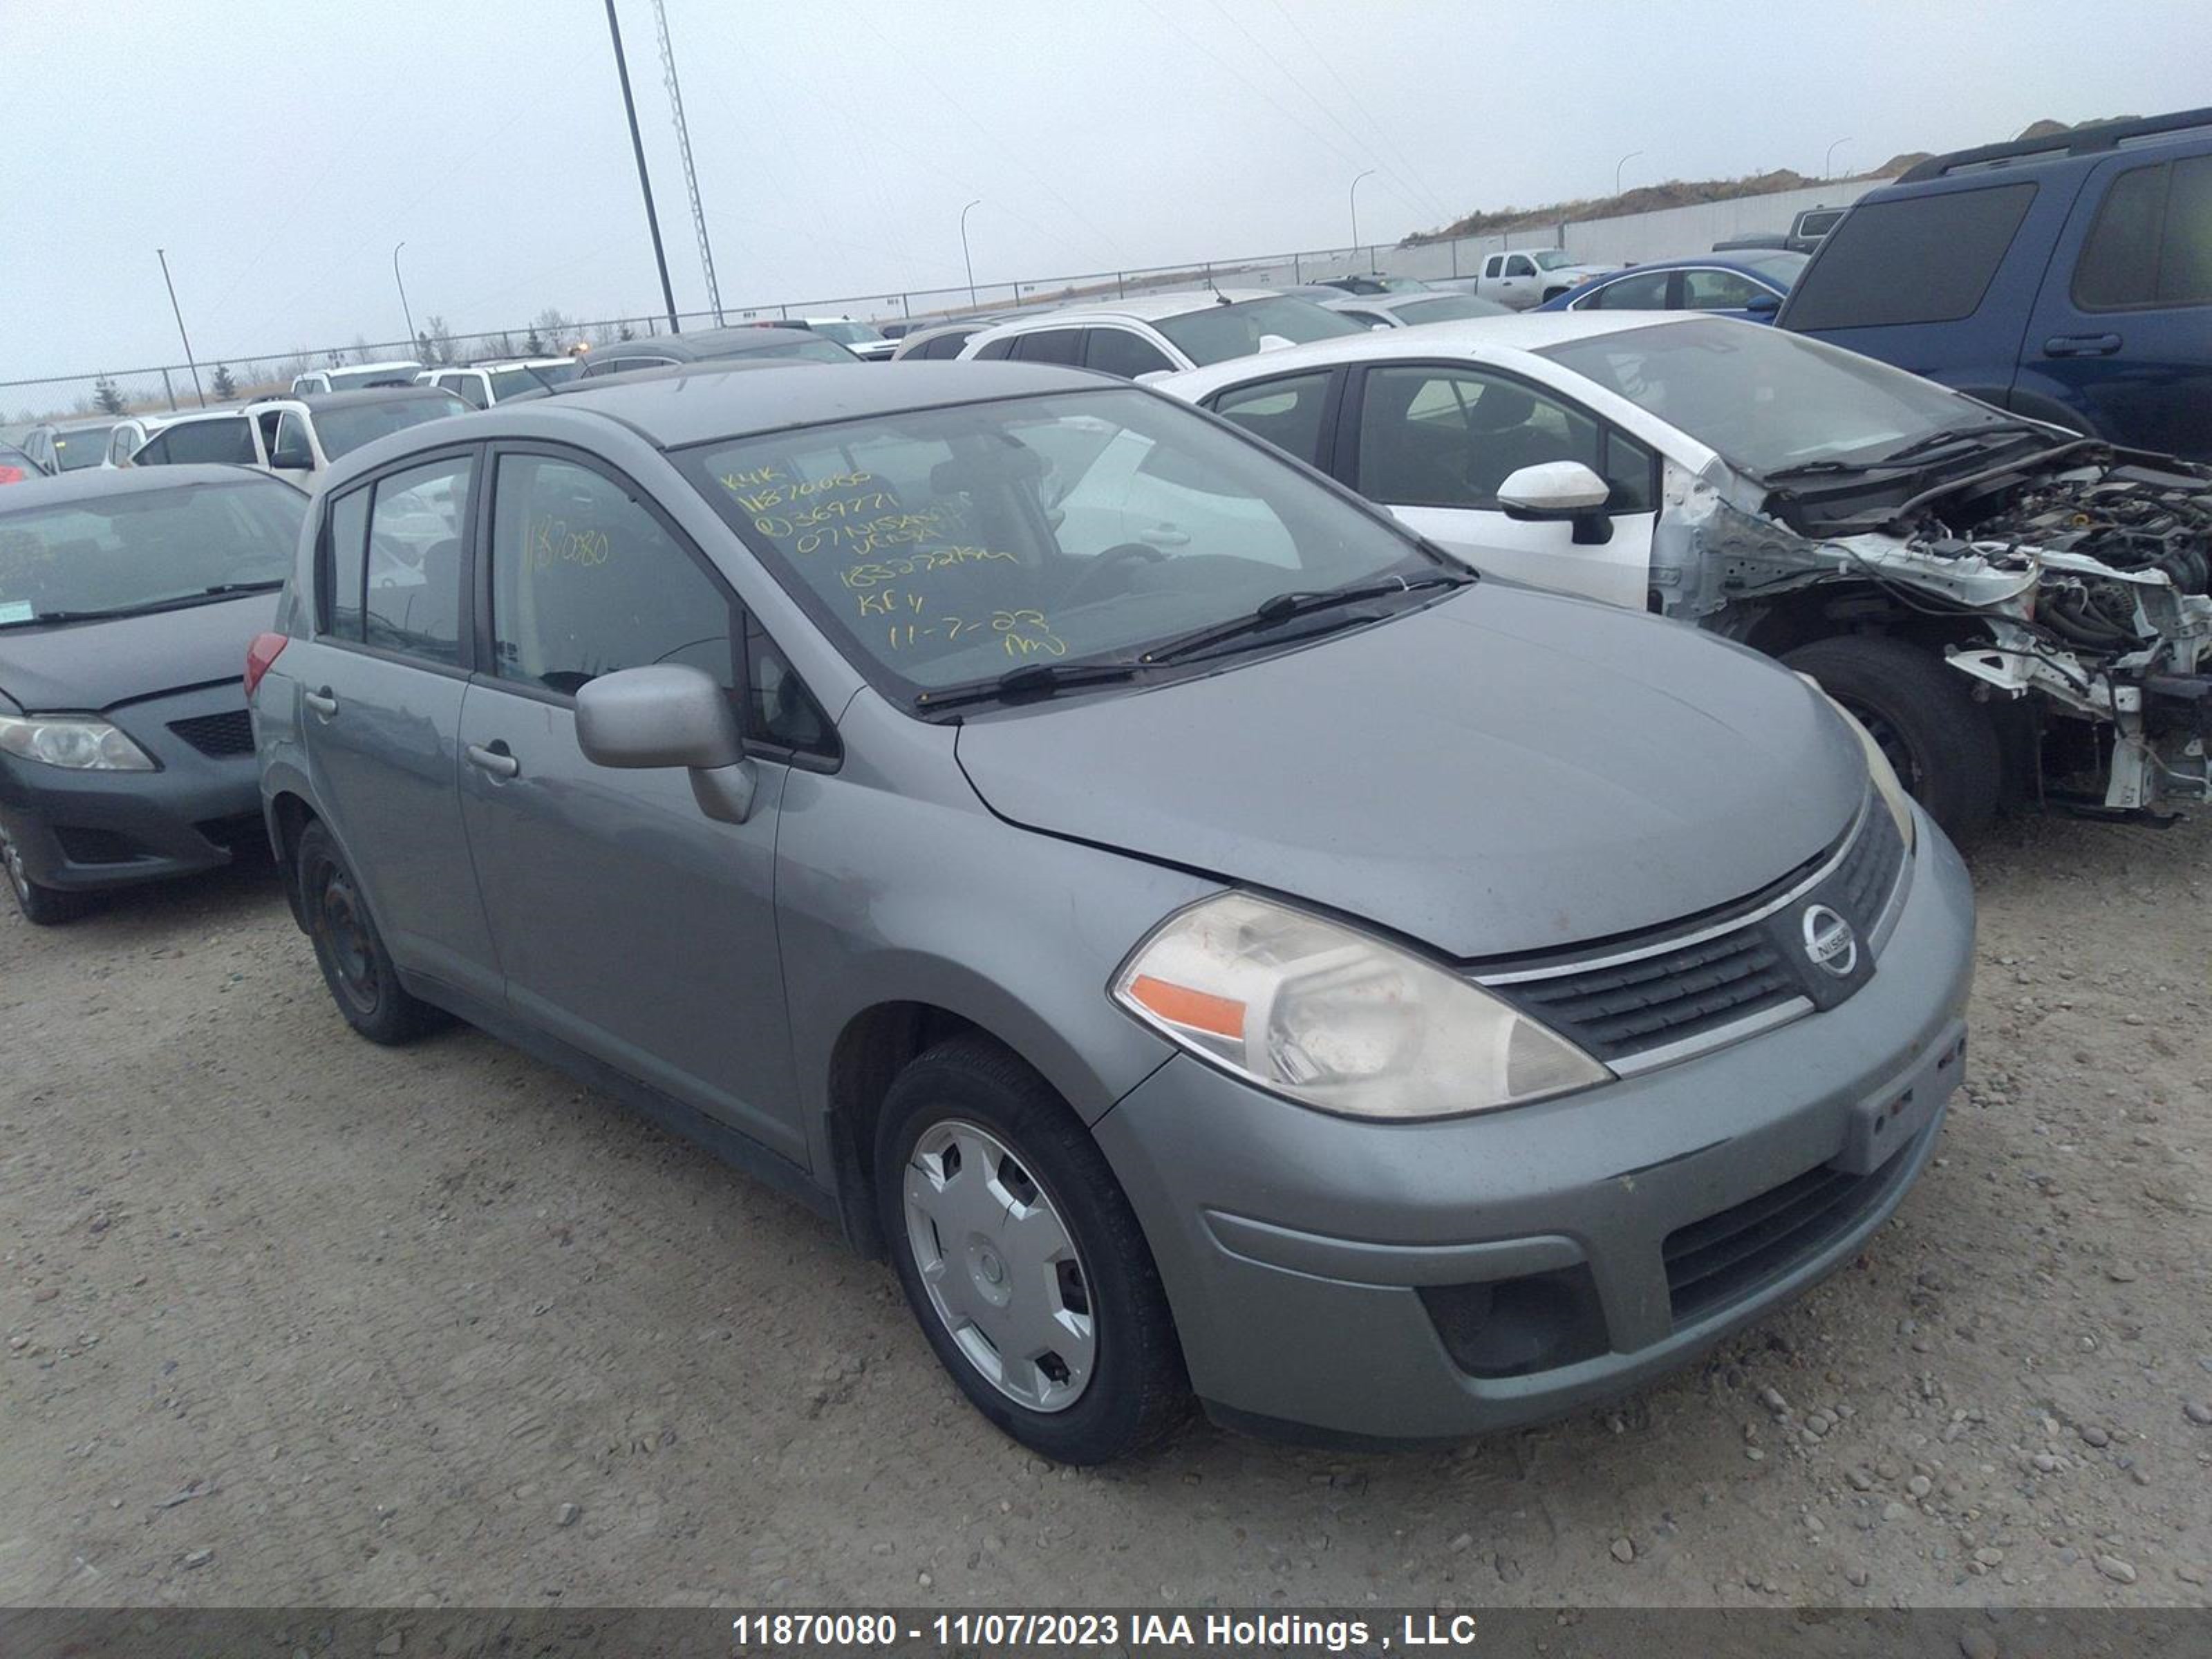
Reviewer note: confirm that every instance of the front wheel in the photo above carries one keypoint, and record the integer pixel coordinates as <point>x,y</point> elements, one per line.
<point>1021,1259</point>
<point>1920,711</point>
<point>45,907</point>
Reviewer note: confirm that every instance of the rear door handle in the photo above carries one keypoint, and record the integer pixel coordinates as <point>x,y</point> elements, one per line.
<point>495,760</point>
<point>2081,345</point>
<point>322,702</point>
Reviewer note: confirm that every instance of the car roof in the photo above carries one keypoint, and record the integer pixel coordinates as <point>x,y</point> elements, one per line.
<point>361,368</point>
<point>2083,145</point>
<point>1737,261</point>
<point>86,483</point>
<point>672,410</point>
<point>493,365</point>
<point>1141,307</point>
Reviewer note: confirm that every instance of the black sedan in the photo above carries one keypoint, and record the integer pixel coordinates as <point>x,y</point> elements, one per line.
<point>127,600</point>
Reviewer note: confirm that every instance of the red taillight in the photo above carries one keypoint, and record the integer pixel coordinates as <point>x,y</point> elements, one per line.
<point>265,650</point>
<point>12,475</point>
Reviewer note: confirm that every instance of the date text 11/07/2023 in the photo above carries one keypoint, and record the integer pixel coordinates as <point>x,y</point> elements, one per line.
<point>1274,1633</point>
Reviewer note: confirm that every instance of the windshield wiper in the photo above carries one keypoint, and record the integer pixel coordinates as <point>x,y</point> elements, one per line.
<point>1811,469</point>
<point>1957,435</point>
<point>222,588</point>
<point>1273,612</point>
<point>1032,680</point>
<point>175,602</point>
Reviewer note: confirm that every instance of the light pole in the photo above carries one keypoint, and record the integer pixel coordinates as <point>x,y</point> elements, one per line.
<point>1621,163</point>
<point>644,179</point>
<point>403,310</point>
<point>1370,173</point>
<point>162,254</point>
<point>964,260</point>
<point>1828,161</point>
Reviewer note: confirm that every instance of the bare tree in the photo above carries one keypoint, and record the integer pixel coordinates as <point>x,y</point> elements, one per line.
<point>441,340</point>
<point>552,329</point>
<point>107,396</point>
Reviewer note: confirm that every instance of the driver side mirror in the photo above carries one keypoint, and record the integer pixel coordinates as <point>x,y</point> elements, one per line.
<point>1564,491</point>
<point>1762,305</point>
<point>292,458</point>
<point>670,716</point>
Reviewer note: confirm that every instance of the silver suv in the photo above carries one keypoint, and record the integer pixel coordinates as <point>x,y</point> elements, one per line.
<point>1210,942</point>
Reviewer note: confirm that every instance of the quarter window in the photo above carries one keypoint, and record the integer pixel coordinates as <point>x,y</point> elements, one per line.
<point>1450,437</point>
<point>1287,413</point>
<point>1917,259</point>
<point>1050,345</point>
<point>413,601</point>
<point>584,582</point>
<point>348,551</point>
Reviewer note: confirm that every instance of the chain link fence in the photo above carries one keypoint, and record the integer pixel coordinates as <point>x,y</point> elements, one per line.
<point>165,386</point>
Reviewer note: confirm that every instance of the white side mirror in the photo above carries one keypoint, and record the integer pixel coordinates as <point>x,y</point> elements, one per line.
<point>1552,489</point>
<point>1275,342</point>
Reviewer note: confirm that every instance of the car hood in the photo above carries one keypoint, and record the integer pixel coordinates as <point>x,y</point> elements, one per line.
<point>1504,772</point>
<point>97,664</point>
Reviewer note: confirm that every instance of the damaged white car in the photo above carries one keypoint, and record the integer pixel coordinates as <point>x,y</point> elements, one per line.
<point>2016,613</point>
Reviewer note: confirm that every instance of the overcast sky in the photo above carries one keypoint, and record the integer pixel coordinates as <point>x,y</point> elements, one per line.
<point>278,149</point>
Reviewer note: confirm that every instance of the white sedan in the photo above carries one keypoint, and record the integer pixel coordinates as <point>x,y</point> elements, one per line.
<point>1957,576</point>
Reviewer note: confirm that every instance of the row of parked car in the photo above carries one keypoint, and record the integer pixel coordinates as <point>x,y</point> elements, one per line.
<point>1174,867</point>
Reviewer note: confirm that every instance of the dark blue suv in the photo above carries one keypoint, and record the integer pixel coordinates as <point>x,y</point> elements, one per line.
<point>2069,278</point>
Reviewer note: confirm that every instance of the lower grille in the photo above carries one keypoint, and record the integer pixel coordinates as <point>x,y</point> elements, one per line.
<point>81,846</point>
<point>1722,1258</point>
<point>218,734</point>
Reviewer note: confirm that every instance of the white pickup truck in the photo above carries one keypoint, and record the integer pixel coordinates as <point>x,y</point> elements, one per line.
<point>1526,279</point>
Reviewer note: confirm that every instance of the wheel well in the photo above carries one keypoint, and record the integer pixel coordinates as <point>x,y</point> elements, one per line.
<point>1829,608</point>
<point>871,1051</point>
<point>293,817</point>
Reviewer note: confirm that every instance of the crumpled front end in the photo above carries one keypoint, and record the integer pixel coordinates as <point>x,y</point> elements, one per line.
<point>2089,589</point>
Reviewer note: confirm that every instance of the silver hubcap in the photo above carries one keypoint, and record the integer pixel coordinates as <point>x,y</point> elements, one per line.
<point>1001,1272</point>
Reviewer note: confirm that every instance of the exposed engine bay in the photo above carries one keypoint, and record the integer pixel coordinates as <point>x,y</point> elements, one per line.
<point>2081,579</point>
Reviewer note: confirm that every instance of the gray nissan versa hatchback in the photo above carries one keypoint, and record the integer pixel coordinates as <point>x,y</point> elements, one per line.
<point>1211,943</point>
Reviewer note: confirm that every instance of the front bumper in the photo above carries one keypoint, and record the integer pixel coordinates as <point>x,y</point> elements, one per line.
<point>1324,1273</point>
<point>84,831</point>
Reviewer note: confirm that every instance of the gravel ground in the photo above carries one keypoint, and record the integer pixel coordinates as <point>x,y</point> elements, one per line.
<point>292,1319</point>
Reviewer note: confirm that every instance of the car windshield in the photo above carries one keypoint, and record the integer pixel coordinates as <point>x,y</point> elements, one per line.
<point>144,550</point>
<point>506,382</point>
<point>345,429</point>
<point>1551,258</point>
<point>1448,308</point>
<point>945,547</point>
<point>815,352</point>
<point>846,333</point>
<point>81,447</point>
<point>1218,332</point>
<point>1781,267</point>
<point>1767,399</point>
<point>354,379</point>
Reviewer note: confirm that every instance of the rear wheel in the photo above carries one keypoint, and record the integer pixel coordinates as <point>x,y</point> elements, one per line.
<point>349,949</point>
<point>46,907</point>
<point>1922,715</point>
<point>1021,1259</point>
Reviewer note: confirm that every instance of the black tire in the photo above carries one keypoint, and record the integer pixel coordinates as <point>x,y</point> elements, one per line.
<point>1136,1391</point>
<point>1922,711</point>
<point>350,951</point>
<point>44,907</point>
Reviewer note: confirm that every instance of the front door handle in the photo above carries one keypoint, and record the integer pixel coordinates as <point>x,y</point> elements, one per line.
<point>322,702</point>
<point>1164,535</point>
<point>495,760</point>
<point>2081,345</point>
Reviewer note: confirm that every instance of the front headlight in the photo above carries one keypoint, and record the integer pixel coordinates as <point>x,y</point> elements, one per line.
<point>1887,783</point>
<point>75,742</point>
<point>1333,1019</point>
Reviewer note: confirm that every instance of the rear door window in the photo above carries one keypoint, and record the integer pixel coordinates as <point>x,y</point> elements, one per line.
<point>1717,290</point>
<point>2152,241</point>
<point>348,555</point>
<point>1647,292</point>
<point>1124,352</point>
<point>229,442</point>
<point>1917,259</point>
<point>413,602</point>
<point>1050,345</point>
<point>1287,413</point>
